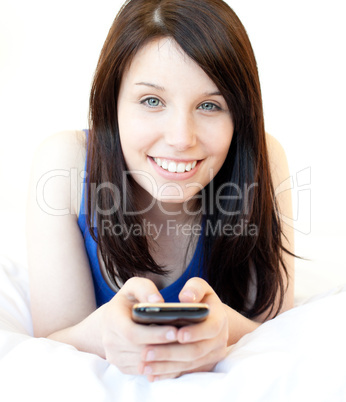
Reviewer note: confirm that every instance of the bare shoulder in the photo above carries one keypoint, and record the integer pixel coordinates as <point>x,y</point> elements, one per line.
<point>273,143</point>
<point>282,189</point>
<point>57,167</point>
<point>59,271</point>
<point>64,149</point>
<point>280,175</point>
<point>278,161</point>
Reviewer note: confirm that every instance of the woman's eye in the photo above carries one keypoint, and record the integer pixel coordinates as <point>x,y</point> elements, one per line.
<point>208,106</point>
<point>152,102</point>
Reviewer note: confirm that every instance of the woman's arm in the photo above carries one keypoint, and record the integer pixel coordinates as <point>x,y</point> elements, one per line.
<point>282,185</point>
<point>202,345</point>
<point>240,325</point>
<point>61,288</point>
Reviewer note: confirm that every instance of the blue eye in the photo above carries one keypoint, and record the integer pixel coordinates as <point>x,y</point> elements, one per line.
<point>151,102</point>
<point>209,107</point>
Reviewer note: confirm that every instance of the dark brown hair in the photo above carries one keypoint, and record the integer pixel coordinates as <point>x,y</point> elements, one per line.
<point>211,34</point>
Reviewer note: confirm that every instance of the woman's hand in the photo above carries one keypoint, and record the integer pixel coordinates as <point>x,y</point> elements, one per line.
<point>199,347</point>
<point>123,340</point>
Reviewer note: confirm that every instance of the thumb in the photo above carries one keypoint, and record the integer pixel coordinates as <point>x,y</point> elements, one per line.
<point>141,290</point>
<point>194,291</point>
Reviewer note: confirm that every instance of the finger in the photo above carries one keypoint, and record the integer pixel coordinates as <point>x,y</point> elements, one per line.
<point>127,362</point>
<point>141,290</point>
<point>215,326</point>
<point>138,334</point>
<point>178,352</point>
<point>205,368</point>
<point>152,378</point>
<point>195,290</point>
<point>153,334</point>
<point>118,312</point>
<point>159,369</point>
<point>177,367</point>
<point>198,290</point>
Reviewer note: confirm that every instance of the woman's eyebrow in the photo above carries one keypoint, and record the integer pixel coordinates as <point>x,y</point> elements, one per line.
<point>148,84</point>
<point>215,93</point>
<point>160,88</point>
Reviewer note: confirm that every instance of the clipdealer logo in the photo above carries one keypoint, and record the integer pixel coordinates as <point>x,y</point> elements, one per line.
<point>71,178</point>
<point>298,184</point>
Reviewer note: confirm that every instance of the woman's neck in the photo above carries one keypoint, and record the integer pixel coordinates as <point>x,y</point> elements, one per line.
<point>162,213</point>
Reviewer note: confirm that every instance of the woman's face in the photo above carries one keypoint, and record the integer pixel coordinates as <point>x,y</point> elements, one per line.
<point>175,126</point>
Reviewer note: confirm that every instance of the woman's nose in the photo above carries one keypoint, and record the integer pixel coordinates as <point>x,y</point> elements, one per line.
<point>181,131</point>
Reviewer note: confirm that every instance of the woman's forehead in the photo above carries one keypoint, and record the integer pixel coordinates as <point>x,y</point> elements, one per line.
<point>163,60</point>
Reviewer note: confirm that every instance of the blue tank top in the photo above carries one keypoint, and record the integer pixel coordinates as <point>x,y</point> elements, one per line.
<point>103,292</point>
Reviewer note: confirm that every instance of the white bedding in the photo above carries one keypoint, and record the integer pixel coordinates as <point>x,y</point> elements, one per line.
<point>298,356</point>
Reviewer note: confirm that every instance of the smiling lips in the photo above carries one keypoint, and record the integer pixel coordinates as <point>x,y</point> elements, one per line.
<point>175,167</point>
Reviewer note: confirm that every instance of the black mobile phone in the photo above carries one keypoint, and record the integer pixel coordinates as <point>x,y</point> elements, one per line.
<point>177,314</point>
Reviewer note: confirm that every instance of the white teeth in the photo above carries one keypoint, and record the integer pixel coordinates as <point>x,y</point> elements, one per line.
<point>174,167</point>
<point>181,168</point>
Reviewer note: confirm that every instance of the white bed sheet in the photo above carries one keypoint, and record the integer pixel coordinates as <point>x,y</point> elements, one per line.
<point>298,356</point>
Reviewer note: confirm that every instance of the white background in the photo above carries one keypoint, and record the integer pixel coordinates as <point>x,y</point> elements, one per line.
<point>48,53</point>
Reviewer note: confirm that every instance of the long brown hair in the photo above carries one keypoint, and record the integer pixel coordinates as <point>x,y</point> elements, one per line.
<point>211,34</point>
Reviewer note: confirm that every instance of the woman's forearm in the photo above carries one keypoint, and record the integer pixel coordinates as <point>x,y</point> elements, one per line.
<point>84,336</point>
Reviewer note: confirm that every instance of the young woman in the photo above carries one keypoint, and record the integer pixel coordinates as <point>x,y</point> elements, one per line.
<point>170,196</point>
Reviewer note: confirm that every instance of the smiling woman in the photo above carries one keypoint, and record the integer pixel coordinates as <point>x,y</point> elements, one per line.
<point>178,168</point>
